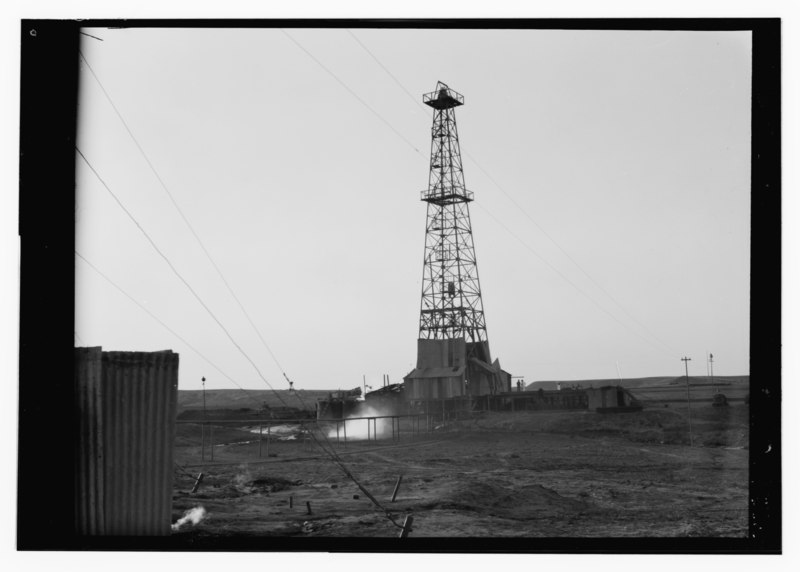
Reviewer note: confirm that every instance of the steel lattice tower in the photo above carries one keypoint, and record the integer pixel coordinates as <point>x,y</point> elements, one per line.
<point>451,294</point>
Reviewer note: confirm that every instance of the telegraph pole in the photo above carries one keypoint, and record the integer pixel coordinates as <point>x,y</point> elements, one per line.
<point>203,431</point>
<point>711,364</point>
<point>686,361</point>
<point>204,397</point>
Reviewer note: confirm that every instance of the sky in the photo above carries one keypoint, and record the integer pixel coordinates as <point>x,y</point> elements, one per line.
<point>611,173</point>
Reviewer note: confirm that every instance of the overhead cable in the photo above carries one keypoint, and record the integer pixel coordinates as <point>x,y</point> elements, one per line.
<point>182,215</point>
<point>524,212</point>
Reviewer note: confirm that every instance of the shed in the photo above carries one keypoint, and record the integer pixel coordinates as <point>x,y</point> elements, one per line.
<point>612,399</point>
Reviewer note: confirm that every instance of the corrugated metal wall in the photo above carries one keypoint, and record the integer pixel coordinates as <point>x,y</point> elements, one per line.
<point>441,353</point>
<point>434,388</point>
<point>89,516</point>
<point>131,417</point>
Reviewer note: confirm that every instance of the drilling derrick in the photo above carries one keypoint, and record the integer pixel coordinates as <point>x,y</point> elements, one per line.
<point>453,358</point>
<point>451,294</point>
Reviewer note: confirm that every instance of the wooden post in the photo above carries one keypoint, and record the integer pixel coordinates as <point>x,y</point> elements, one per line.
<point>308,506</point>
<point>397,487</point>
<point>344,429</point>
<point>407,526</point>
<point>197,482</point>
<point>291,501</point>
<point>337,432</point>
<point>269,429</point>
<point>260,428</point>
<point>686,361</point>
<point>203,442</point>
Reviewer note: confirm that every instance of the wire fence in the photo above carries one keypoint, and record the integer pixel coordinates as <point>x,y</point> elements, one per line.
<point>238,440</point>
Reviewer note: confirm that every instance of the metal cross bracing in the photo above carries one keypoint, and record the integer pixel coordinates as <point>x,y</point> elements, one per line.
<point>451,304</point>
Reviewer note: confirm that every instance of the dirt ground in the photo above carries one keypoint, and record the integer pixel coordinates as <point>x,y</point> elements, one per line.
<point>525,474</point>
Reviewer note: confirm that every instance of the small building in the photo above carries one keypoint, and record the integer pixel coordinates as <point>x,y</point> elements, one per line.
<point>451,368</point>
<point>612,399</point>
<point>339,404</point>
<point>388,399</point>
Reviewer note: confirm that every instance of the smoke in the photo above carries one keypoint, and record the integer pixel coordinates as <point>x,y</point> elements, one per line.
<point>242,478</point>
<point>362,428</point>
<point>193,515</point>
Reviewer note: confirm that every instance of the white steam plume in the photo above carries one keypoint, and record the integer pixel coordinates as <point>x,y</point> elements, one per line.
<point>193,515</point>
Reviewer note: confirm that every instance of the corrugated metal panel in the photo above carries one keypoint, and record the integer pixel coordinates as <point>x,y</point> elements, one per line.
<point>441,353</point>
<point>600,397</point>
<point>433,388</point>
<point>140,404</point>
<point>432,372</point>
<point>89,475</point>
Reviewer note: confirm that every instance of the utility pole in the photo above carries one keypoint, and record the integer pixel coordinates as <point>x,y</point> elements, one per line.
<point>686,361</point>
<point>203,432</point>
<point>204,397</point>
<point>711,364</point>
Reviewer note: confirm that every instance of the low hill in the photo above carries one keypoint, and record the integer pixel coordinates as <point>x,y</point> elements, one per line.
<point>249,398</point>
<point>640,382</point>
<point>306,399</point>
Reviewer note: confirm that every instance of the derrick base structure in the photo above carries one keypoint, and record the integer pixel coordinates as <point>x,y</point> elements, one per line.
<point>454,368</point>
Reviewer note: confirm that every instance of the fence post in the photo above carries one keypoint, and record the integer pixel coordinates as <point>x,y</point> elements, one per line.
<point>406,526</point>
<point>344,429</point>
<point>397,487</point>
<point>269,430</point>
<point>260,429</point>
<point>197,482</point>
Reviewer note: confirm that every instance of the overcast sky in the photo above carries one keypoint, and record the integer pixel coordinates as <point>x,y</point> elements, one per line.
<point>611,173</point>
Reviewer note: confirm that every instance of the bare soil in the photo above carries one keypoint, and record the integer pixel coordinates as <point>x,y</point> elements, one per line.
<point>524,474</point>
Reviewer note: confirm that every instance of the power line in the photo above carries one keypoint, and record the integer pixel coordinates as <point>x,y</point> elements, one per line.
<point>180,212</point>
<point>334,456</point>
<point>353,93</point>
<point>567,280</point>
<point>336,459</point>
<point>523,211</point>
<point>565,253</point>
<point>165,326</point>
<point>178,274</point>
<point>414,98</point>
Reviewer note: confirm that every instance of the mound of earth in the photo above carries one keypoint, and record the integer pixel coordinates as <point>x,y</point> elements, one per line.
<point>520,503</point>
